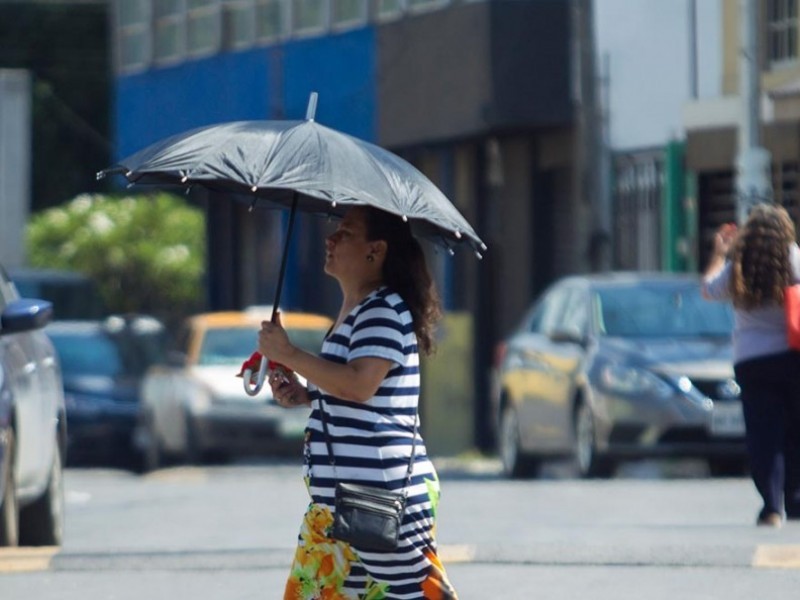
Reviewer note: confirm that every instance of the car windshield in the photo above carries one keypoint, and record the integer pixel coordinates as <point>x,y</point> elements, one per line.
<point>231,346</point>
<point>87,354</point>
<point>658,310</point>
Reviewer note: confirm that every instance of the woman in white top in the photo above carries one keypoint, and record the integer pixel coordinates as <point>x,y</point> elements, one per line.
<point>751,268</point>
<point>365,384</point>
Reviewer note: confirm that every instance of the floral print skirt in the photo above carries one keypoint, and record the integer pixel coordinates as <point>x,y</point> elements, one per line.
<point>326,569</point>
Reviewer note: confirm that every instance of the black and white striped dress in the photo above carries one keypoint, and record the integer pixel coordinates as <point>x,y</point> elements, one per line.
<point>372,441</point>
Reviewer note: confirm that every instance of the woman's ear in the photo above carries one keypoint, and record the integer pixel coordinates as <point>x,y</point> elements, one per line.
<point>378,248</point>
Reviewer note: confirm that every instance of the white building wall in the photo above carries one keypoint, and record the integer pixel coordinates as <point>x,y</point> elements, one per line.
<point>648,47</point>
<point>15,164</point>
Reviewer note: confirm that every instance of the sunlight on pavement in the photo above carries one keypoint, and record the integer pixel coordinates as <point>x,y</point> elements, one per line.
<point>180,474</point>
<point>777,557</point>
<point>19,560</point>
<point>455,553</point>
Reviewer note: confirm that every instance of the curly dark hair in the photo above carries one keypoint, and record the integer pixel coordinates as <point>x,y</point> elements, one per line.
<point>406,272</point>
<point>760,258</point>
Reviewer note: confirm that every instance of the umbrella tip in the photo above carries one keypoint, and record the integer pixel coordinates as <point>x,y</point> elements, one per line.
<point>311,112</point>
<point>484,247</point>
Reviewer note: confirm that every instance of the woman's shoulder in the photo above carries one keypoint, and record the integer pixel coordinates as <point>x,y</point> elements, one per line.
<point>387,302</point>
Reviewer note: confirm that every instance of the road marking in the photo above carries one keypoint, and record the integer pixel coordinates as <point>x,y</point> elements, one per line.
<point>454,553</point>
<point>781,556</point>
<point>19,560</point>
<point>180,475</point>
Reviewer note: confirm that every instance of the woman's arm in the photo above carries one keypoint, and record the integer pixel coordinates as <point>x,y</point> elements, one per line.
<point>357,380</point>
<point>723,241</point>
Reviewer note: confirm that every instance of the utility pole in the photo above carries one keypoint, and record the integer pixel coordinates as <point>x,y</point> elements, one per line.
<point>590,182</point>
<point>753,162</point>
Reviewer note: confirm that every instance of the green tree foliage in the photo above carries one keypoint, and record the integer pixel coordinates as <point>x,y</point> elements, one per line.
<point>146,253</point>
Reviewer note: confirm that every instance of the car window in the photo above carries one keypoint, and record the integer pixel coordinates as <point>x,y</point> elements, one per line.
<point>82,354</point>
<point>7,293</point>
<point>575,316</point>
<point>232,345</point>
<point>553,307</point>
<point>662,310</point>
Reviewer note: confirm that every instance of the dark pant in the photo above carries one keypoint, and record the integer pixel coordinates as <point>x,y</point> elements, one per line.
<point>771,400</point>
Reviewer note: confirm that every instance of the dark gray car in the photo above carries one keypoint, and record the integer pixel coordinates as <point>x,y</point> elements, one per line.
<point>611,367</point>
<point>32,425</point>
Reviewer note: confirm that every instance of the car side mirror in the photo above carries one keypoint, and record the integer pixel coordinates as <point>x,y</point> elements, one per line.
<point>25,315</point>
<point>568,335</point>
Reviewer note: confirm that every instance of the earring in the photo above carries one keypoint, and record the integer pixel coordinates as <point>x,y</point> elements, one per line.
<point>370,258</point>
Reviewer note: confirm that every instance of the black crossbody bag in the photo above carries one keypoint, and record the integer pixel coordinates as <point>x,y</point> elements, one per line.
<point>368,517</point>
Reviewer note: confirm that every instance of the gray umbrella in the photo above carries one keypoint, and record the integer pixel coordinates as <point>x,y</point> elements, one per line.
<point>302,165</point>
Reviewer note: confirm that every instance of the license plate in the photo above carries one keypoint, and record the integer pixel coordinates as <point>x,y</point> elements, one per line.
<point>290,428</point>
<point>727,419</point>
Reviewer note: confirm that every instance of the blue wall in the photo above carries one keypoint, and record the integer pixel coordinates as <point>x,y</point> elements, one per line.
<point>262,83</point>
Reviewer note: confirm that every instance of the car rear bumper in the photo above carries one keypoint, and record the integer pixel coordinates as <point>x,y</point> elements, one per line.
<point>248,429</point>
<point>104,428</point>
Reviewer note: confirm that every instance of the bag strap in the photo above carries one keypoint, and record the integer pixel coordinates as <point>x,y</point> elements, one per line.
<point>329,445</point>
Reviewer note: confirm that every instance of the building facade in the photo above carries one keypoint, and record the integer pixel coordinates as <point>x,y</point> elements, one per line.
<point>712,124</point>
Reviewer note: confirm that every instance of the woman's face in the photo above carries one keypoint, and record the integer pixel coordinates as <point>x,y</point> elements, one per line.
<point>347,248</point>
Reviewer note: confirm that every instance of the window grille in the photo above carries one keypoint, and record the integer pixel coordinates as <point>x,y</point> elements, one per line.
<point>781,31</point>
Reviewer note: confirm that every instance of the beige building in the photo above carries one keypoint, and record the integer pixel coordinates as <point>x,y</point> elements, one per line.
<point>712,124</point>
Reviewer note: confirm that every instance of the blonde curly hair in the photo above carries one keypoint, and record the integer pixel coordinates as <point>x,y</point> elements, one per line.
<point>760,258</point>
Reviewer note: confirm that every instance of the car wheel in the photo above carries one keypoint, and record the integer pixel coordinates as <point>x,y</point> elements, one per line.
<point>193,453</point>
<point>516,463</point>
<point>9,517</point>
<point>587,461</point>
<point>728,467</point>
<point>151,456</point>
<point>42,522</point>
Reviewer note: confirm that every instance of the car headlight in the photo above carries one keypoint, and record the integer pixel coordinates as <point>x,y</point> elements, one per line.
<point>622,379</point>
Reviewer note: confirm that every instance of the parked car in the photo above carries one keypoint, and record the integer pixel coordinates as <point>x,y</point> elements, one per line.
<point>103,363</point>
<point>196,405</point>
<point>32,424</point>
<point>73,295</point>
<point>620,366</point>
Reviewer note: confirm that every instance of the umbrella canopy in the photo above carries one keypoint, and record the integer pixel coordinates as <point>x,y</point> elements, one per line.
<point>323,170</point>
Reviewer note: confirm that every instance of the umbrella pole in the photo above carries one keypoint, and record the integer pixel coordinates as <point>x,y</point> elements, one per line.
<point>250,388</point>
<point>284,258</point>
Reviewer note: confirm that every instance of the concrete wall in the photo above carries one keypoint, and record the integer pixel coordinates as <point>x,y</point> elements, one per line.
<point>15,164</point>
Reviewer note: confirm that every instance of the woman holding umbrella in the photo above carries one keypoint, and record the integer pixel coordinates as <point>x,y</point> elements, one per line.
<point>364,389</point>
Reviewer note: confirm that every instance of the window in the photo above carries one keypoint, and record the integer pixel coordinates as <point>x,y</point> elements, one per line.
<point>420,5</point>
<point>349,12</point>
<point>240,23</point>
<point>133,26</point>
<point>170,34</point>
<point>547,311</point>
<point>782,31</point>
<point>575,318</point>
<point>272,18</point>
<point>389,9</point>
<point>204,26</point>
<point>310,16</point>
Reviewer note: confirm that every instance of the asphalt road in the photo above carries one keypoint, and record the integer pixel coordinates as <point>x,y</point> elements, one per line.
<point>228,533</point>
